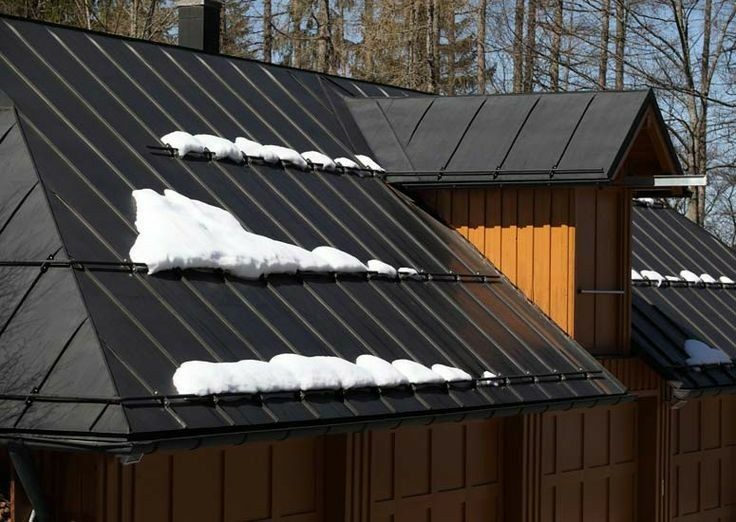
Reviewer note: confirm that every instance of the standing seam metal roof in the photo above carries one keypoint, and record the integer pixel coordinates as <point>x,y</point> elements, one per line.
<point>664,317</point>
<point>98,341</point>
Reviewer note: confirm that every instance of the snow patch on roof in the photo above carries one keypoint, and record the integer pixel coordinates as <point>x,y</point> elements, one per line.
<point>220,148</point>
<point>707,278</point>
<point>319,159</point>
<point>374,265</point>
<point>178,232</point>
<point>183,142</point>
<point>635,276</point>
<point>407,271</point>
<point>248,376</point>
<point>726,280</point>
<point>417,373</point>
<point>346,163</point>
<point>323,372</point>
<point>700,353</point>
<point>383,372</point>
<point>690,277</point>
<point>369,163</point>
<point>652,275</point>
<point>450,373</point>
<point>338,260</point>
<point>283,154</point>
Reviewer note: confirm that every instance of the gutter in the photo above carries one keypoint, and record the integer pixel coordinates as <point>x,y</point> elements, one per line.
<point>130,450</point>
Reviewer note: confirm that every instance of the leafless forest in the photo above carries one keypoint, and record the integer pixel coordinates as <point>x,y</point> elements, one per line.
<point>685,49</point>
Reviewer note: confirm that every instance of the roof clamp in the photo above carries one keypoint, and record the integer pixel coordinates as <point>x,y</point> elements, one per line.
<point>44,266</point>
<point>553,171</point>
<point>302,396</point>
<point>215,400</point>
<point>496,172</point>
<point>440,173</point>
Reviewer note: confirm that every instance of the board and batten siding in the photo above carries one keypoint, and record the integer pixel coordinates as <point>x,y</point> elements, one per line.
<point>552,243</point>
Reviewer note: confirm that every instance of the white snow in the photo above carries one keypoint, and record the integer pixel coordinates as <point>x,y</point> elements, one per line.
<point>318,159</point>
<point>383,372</point>
<point>323,372</point>
<point>407,271</point>
<point>369,163</point>
<point>707,278</point>
<point>417,373</point>
<point>450,373</point>
<point>701,353</point>
<point>178,232</point>
<point>635,276</point>
<point>672,279</point>
<point>723,279</point>
<point>489,375</point>
<point>346,162</point>
<point>183,142</point>
<point>338,260</point>
<point>247,376</point>
<point>648,201</point>
<point>220,147</point>
<point>652,275</point>
<point>374,265</point>
<point>283,154</point>
<point>690,277</point>
<point>253,149</point>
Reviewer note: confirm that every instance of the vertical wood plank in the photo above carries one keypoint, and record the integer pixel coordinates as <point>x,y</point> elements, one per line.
<point>525,242</point>
<point>585,212</point>
<point>509,220</point>
<point>493,226</point>
<point>476,222</point>
<point>559,262</point>
<point>542,239</point>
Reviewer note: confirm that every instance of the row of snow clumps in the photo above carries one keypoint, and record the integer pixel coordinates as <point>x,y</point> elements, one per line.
<point>292,372</point>
<point>685,276</point>
<point>700,353</point>
<point>222,148</point>
<point>175,231</point>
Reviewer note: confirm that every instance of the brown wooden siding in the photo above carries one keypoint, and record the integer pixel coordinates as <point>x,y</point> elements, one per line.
<point>448,472</point>
<point>551,243</point>
<point>703,460</point>
<point>633,373</point>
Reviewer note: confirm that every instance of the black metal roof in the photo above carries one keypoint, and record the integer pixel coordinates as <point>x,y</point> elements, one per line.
<point>575,137</point>
<point>664,317</point>
<point>92,343</point>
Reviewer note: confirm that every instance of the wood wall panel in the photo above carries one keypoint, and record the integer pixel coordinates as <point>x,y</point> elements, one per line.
<point>279,482</point>
<point>551,243</point>
<point>703,458</point>
<point>445,472</point>
<point>588,465</point>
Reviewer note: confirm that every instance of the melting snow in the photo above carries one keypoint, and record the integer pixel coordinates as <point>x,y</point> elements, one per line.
<point>690,277</point>
<point>450,373</point>
<point>707,278</point>
<point>369,163</point>
<point>672,279</point>
<point>652,275</point>
<point>383,372</point>
<point>183,142</point>
<point>178,232</point>
<point>293,372</point>
<point>374,265</point>
<point>284,154</point>
<point>701,353</point>
<point>319,159</point>
<point>338,260</point>
<point>323,372</point>
<point>635,276</point>
<point>220,147</point>
<point>249,376</point>
<point>253,149</point>
<point>407,271</point>
<point>417,373</point>
<point>723,279</point>
<point>346,163</point>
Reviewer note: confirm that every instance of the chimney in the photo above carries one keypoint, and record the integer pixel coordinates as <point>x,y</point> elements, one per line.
<point>199,24</point>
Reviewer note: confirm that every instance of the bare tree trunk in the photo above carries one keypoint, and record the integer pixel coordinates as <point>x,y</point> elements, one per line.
<point>436,45</point>
<point>481,46</point>
<point>267,32</point>
<point>621,18</point>
<point>530,46</point>
<point>603,62</point>
<point>556,46</point>
<point>324,37</point>
<point>451,50</point>
<point>518,46</point>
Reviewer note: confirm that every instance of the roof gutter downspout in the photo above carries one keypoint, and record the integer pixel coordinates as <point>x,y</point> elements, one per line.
<point>25,467</point>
